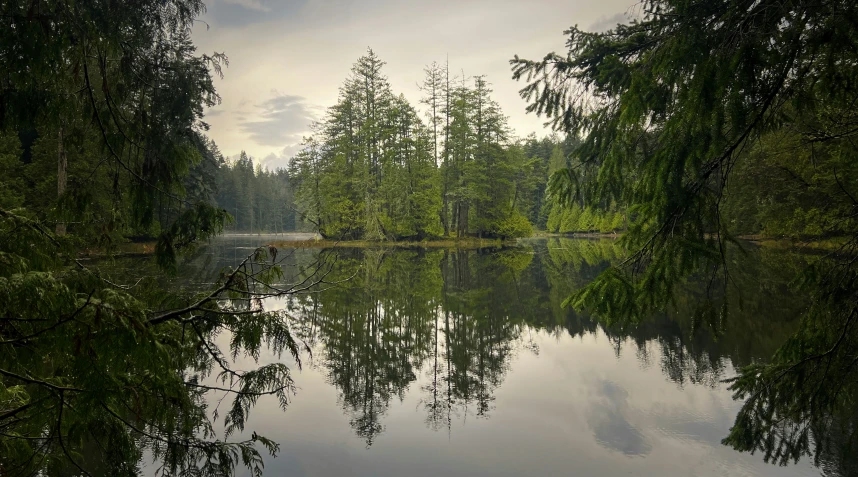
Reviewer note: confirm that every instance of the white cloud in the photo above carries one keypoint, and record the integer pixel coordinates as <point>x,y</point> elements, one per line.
<point>283,119</point>
<point>280,160</point>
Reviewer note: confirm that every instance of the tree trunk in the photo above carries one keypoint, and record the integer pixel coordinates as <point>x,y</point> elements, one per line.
<point>62,176</point>
<point>444,203</point>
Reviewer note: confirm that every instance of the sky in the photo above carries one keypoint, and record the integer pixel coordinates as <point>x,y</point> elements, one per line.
<point>287,58</point>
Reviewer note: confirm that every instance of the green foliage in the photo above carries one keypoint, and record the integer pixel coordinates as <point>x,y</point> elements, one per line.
<point>99,368</point>
<point>374,171</point>
<point>484,175</point>
<point>370,170</point>
<point>260,200</point>
<point>572,218</point>
<point>513,226</point>
<point>11,184</point>
<point>89,84</point>
<point>88,365</point>
<point>193,226</point>
<point>781,188</point>
<point>707,118</point>
<point>552,223</point>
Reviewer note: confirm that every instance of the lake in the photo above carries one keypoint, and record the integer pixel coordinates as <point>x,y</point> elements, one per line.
<point>431,362</point>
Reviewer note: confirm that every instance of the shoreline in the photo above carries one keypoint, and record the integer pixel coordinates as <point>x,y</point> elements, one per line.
<point>147,248</point>
<point>466,243</point>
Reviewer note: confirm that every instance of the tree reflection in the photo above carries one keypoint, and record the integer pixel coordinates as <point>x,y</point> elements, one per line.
<point>453,320</point>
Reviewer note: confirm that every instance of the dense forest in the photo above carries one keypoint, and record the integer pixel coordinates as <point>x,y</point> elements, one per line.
<point>258,199</point>
<point>375,170</point>
<point>102,140</point>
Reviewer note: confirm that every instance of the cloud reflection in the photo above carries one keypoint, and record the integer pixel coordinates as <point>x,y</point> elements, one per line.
<point>608,418</point>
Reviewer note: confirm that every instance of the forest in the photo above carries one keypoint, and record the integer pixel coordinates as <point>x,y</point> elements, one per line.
<point>683,130</point>
<point>258,199</point>
<point>374,170</point>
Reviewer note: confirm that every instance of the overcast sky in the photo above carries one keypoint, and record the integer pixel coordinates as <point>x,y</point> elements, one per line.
<point>287,58</point>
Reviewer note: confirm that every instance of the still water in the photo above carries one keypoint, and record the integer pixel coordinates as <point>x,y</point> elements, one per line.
<point>463,363</point>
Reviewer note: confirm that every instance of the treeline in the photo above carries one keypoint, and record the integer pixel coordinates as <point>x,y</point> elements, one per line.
<point>259,200</point>
<point>375,170</point>
<point>573,214</point>
<point>95,202</point>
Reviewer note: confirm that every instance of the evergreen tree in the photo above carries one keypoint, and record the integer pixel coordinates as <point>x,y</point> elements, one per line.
<point>669,105</point>
<point>481,167</point>
<point>433,88</point>
<point>374,171</point>
<point>101,110</point>
<point>261,201</point>
<point>370,172</point>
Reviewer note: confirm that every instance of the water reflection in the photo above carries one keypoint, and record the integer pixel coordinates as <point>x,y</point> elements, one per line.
<point>440,332</point>
<point>608,418</point>
<point>460,316</point>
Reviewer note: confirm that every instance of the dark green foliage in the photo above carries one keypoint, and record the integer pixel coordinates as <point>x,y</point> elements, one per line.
<point>706,118</point>
<point>369,172</point>
<point>98,369</point>
<point>374,171</point>
<point>484,171</point>
<point>92,375</point>
<point>781,188</point>
<point>259,200</point>
<point>11,185</point>
<point>117,87</point>
<point>192,227</point>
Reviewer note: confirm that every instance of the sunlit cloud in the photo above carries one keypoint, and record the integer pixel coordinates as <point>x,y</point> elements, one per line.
<point>283,119</point>
<point>304,49</point>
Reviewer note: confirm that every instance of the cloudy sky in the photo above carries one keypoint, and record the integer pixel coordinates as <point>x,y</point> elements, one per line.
<point>287,58</point>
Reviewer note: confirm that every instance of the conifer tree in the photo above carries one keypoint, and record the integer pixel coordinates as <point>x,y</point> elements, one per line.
<point>97,369</point>
<point>669,106</point>
<point>433,89</point>
<point>445,178</point>
<point>370,171</point>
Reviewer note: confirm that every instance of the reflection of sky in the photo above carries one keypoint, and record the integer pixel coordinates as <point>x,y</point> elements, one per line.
<point>609,418</point>
<point>575,409</point>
